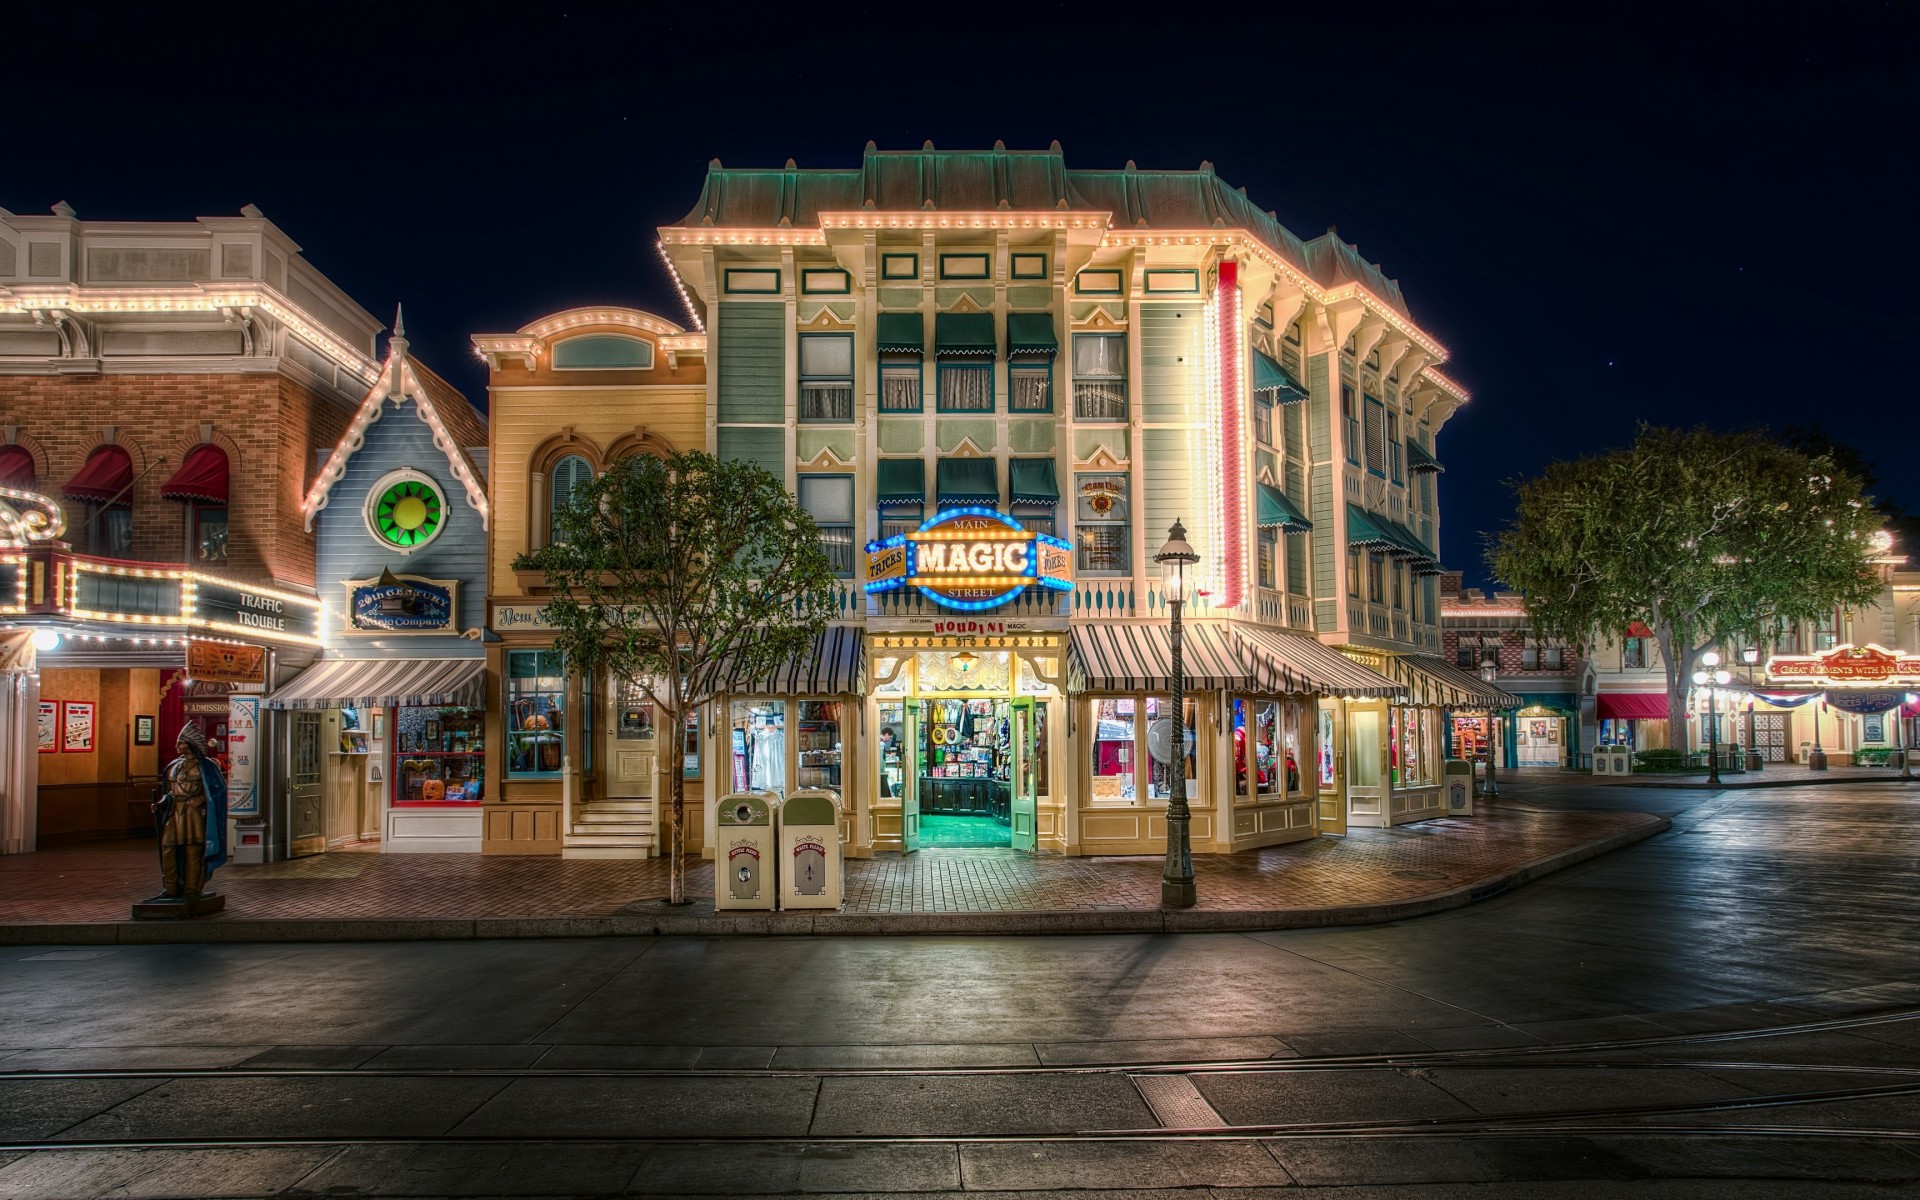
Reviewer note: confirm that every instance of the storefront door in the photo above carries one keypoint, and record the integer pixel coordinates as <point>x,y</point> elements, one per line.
<point>306,822</point>
<point>1770,736</point>
<point>910,784</point>
<point>1025,814</point>
<point>631,753</point>
<point>1366,759</point>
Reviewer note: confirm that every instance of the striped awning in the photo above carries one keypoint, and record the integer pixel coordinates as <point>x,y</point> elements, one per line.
<point>383,682</point>
<point>1288,664</point>
<point>837,665</point>
<point>1430,680</point>
<point>1130,658</point>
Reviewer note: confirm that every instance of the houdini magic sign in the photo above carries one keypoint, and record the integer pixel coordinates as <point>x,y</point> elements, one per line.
<point>970,558</point>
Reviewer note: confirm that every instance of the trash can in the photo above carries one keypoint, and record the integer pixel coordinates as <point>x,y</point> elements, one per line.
<point>1457,782</point>
<point>811,864</point>
<point>1602,760</point>
<point>744,871</point>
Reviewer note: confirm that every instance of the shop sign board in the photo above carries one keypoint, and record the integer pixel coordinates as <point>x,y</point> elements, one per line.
<point>243,750</point>
<point>244,610</point>
<point>970,559</point>
<point>226,662</point>
<point>1847,666</point>
<point>412,605</point>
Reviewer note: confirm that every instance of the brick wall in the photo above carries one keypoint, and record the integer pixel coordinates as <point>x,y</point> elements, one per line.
<point>268,423</point>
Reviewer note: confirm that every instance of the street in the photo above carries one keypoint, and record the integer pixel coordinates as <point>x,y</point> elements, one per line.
<point>1729,1008</point>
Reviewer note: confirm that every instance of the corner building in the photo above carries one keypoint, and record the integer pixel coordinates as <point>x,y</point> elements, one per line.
<point>990,348</point>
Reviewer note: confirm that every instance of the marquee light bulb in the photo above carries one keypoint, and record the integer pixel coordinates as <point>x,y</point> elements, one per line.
<point>45,640</point>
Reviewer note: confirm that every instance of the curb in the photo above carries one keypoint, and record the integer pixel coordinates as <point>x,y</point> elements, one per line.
<point>637,921</point>
<point>1724,786</point>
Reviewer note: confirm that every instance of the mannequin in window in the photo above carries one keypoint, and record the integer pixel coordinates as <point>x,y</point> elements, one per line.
<point>769,757</point>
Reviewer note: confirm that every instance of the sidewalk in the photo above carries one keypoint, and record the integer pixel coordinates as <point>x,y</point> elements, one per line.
<point>1371,876</point>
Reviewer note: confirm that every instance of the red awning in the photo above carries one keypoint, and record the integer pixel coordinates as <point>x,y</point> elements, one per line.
<point>1630,706</point>
<point>108,473</point>
<point>203,476</point>
<point>1638,629</point>
<point>16,468</point>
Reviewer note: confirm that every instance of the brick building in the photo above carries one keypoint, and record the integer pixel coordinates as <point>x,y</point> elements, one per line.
<point>142,367</point>
<point>1477,628</point>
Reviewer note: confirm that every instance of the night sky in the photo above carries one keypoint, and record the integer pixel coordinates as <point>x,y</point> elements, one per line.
<point>1608,215</point>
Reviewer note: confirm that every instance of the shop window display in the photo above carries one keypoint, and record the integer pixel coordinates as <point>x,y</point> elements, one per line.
<point>758,740</point>
<point>1290,745</point>
<point>439,756</point>
<point>819,745</point>
<point>966,760</point>
<point>1113,750</point>
<point>1272,766</point>
<point>1160,747</point>
<point>536,714</point>
<point>893,749</point>
<point>1326,748</point>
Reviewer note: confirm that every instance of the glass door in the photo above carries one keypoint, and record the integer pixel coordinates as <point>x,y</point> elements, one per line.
<point>1366,760</point>
<point>910,784</point>
<point>631,753</point>
<point>1025,832</point>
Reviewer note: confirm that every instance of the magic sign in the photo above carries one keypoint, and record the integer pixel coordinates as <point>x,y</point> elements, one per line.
<point>970,558</point>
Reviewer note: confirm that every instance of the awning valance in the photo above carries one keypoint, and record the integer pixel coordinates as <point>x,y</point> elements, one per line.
<point>107,477</point>
<point>1286,664</point>
<point>1139,658</point>
<point>1430,680</point>
<point>967,483</point>
<point>16,468</point>
<point>836,666</point>
<point>899,333</point>
<point>1630,706</point>
<point>1418,459</point>
<point>1277,510</point>
<point>1424,560</point>
<point>201,477</point>
<point>1369,530</point>
<point>968,335</point>
<point>1033,481</point>
<point>383,682</point>
<point>1031,333</point>
<point>1269,376</point>
<point>902,483</point>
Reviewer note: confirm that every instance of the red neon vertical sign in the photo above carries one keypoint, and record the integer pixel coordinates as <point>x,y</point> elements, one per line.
<point>1233,492</point>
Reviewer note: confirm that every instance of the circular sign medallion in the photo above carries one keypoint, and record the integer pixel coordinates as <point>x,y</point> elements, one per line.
<point>405,511</point>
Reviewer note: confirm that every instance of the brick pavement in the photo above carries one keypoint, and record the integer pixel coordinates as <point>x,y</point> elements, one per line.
<point>1369,867</point>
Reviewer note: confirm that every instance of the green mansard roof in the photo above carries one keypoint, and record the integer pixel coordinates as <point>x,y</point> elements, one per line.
<point>1025,181</point>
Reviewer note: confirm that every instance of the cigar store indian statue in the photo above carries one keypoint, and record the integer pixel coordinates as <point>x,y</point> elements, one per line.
<point>190,813</point>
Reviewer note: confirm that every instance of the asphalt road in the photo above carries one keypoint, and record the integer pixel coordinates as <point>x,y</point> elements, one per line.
<point>1729,1009</point>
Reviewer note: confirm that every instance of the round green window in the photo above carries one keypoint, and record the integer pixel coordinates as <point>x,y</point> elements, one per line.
<point>406,511</point>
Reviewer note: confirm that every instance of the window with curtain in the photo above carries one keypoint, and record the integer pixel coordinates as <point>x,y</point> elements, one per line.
<point>1376,578</point>
<point>1100,376</point>
<point>900,386</point>
<point>1350,423</point>
<point>829,498</point>
<point>1396,471</point>
<point>1353,572</point>
<point>1399,584</point>
<point>1263,419</point>
<point>1466,652</point>
<point>826,377</point>
<point>1102,523</point>
<point>965,386</point>
<point>1633,653</point>
<point>1030,387</point>
<point>1269,545</point>
<point>1297,563</point>
<point>109,530</point>
<point>209,533</point>
<point>567,475</point>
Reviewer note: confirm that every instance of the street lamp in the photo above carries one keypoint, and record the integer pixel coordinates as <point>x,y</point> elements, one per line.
<point>1490,672</point>
<point>1176,881</point>
<point>1755,760</point>
<point>1713,678</point>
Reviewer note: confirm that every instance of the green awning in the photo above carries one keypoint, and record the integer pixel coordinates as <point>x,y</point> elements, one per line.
<point>899,333</point>
<point>964,335</point>
<point>1270,376</point>
<point>1032,481</point>
<point>902,483</point>
<point>1422,559</point>
<point>1031,333</point>
<point>1277,510</point>
<point>967,483</point>
<point>1419,459</point>
<point>1369,530</point>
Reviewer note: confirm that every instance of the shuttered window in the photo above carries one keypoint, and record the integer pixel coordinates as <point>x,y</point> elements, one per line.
<point>1376,437</point>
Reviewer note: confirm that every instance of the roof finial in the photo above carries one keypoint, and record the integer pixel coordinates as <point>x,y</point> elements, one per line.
<point>792,166</point>
<point>926,145</point>
<point>63,209</point>
<point>1000,145</point>
<point>399,320</point>
<point>252,211</point>
<point>871,148</point>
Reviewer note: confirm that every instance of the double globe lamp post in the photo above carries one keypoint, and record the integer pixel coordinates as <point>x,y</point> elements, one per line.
<point>1713,678</point>
<point>1176,881</point>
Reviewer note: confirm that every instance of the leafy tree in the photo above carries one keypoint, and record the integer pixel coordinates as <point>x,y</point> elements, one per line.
<point>683,577</point>
<point>1701,536</point>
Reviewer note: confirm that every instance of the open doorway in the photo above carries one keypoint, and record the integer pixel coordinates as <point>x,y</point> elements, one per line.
<point>966,773</point>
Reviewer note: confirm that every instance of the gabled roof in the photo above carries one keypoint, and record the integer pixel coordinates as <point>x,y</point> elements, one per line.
<point>441,406</point>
